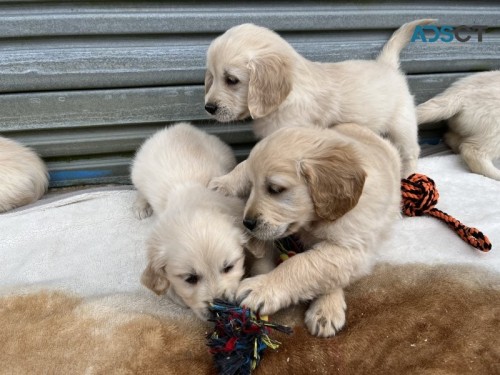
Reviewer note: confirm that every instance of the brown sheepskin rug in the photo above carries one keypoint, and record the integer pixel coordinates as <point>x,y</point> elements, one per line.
<point>401,320</point>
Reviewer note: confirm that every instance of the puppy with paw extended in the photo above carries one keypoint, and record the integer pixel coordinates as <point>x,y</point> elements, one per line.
<point>339,191</point>
<point>23,175</point>
<point>472,107</point>
<point>253,72</point>
<point>196,248</point>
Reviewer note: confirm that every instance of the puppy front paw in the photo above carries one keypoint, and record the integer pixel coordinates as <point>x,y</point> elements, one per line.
<point>142,210</point>
<point>259,294</point>
<point>223,185</point>
<point>326,315</point>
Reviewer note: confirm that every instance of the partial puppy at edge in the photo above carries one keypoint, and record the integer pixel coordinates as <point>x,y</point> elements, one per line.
<point>472,107</point>
<point>337,189</point>
<point>253,72</point>
<point>196,247</point>
<point>23,175</point>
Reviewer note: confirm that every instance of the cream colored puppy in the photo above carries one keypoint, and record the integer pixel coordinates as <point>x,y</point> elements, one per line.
<point>472,107</point>
<point>23,175</point>
<point>196,248</point>
<point>253,72</point>
<point>175,156</point>
<point>339,190</point>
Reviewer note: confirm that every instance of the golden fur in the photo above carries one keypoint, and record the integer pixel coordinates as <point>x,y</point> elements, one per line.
<point>339,190</point>
<point>253,72</point>
<point>196,246</point>
<point>471,106</point>
<point>23,175</point>
<point>401,320</point>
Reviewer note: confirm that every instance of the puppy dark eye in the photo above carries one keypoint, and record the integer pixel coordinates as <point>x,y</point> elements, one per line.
<point>192,279</point>
<point>275,189</point>
<point>231,81</point>
<point>228,269</point>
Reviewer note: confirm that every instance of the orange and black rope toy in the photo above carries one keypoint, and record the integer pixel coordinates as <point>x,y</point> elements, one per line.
<point>420,196</point>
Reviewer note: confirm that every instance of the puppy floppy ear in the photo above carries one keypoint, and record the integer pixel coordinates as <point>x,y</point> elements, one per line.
<point>335,180</point>
<point>154,277</point>
<point>209,79</point>
<point>269,85</point>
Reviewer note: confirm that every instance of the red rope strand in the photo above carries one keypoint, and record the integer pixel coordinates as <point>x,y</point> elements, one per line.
<point>420,196</point>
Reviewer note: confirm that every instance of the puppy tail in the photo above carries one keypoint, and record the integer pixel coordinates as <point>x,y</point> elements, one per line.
<point>399,40</point>
<point>439,108</point>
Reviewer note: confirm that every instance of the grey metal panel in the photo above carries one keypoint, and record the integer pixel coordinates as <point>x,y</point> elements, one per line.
<point>158,61</point>
<point>108,140</point>
<point>147,17</point>
<point>118,107</point>
<point>92,108</point>
<point>105,62</point>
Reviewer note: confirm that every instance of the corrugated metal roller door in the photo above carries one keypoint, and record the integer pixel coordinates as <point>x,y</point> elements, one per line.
<point>84,83</point>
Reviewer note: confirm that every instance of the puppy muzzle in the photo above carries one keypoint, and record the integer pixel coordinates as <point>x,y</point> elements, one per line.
<point>211,108</point>
<point>250,223</point>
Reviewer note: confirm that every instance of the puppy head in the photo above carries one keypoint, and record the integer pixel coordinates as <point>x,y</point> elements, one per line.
<point>314,178</point>
<point>196,250</point>
<point>248,73</point>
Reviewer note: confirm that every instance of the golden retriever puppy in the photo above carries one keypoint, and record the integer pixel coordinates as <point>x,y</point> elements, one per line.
<point>339,190</point>
<point>253,72</point>
<point>23,175</point>
<point>174,156</point>
<point>472,107</point>
<point>196,248</point>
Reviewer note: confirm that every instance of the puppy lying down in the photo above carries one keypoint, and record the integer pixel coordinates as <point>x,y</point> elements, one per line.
<point>196,247</point>
<point>339,190</point>
<point>472,107</point>
<point>23,175</point>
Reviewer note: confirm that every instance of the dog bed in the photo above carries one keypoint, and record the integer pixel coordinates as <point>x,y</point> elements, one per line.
<point>71,300</point>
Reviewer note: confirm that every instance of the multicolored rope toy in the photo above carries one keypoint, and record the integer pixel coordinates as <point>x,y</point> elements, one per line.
<point>288,247</point>
<point>239,338</point>
<point>420,195</point>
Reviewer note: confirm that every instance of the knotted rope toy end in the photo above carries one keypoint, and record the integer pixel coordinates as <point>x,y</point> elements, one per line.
<point>420,197</point>
<point>239,338</point>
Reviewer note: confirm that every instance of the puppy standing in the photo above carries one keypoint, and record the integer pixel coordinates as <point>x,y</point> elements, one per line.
<point>472,107</point>
<point>23,175</point>
<point>195,250</point>
<point>253,72</point>
<point>339,190</point>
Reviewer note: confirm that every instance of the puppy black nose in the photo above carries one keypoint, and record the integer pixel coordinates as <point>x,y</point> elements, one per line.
<point>210,108</point>
<point>250,223</point>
